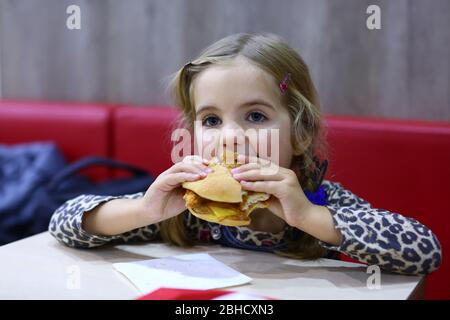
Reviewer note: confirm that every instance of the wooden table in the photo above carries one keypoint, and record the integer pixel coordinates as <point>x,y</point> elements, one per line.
<point>39,267</point>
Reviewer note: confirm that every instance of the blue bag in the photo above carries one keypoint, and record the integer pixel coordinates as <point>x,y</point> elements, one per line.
<point>35,181</point>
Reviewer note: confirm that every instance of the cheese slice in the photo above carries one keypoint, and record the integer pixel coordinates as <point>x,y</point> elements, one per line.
<point>222,212</point>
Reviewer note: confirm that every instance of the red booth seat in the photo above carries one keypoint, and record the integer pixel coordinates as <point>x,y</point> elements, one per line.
<point>144,138</point>
<point>401,166</point>
<point>79,130</point>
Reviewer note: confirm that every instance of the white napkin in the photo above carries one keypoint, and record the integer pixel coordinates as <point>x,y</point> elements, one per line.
<point>187,271</point>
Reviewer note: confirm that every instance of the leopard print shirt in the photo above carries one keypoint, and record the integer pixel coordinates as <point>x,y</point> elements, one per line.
<point>373,236</point>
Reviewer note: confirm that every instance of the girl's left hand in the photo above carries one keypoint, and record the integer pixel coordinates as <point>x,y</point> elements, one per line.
<point>288,199</point>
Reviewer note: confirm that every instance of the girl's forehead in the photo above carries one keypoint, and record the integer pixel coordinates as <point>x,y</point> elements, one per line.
<point>233,82</point>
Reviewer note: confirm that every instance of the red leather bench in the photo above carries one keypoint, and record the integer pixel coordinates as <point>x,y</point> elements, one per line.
<point>142,138</point>
<point>399,165</point>
<point>78,129</point>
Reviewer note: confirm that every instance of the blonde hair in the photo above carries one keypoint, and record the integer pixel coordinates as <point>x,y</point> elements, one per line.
<point>273,55</point>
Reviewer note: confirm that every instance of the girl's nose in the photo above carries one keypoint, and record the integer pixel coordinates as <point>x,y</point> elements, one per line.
<point>233,137</point>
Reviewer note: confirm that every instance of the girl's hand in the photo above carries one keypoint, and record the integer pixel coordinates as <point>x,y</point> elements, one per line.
<point>288,202</point>
<point>164,198</point>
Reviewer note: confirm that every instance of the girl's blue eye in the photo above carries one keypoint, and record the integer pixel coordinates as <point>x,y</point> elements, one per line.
<point>256,117</point>
<point>211,121</point>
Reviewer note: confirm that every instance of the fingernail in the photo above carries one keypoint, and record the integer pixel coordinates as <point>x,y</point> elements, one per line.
<point>235,170</point>
<point>208,170</point>
<point>203,173</point>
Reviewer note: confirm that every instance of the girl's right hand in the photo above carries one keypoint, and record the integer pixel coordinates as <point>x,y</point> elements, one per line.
<point>164,198</point>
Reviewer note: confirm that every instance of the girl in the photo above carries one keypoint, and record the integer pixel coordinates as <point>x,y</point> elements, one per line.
<point>247,81</point>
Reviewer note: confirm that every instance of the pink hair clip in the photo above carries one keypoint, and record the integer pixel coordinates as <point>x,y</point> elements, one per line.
<point>284,83</point>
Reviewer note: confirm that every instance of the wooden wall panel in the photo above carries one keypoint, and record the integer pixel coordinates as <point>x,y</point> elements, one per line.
<point>125,49</point>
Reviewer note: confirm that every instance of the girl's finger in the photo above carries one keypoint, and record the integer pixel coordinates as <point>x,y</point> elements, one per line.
<point>197,161</point>
<point>246,159</point>
<point>267,167</point>
<point>258,174</point>
<point>246,167</point>
<point>191,167</point>
<point>195,158</point>
<point>260,186</point>
<point>176,179</point>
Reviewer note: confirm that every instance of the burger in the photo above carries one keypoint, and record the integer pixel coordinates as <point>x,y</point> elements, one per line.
<point>219,198</point>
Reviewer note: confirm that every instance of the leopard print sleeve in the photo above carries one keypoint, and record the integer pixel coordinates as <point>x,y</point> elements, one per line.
<point>65,224</point>
<point>378,237</point>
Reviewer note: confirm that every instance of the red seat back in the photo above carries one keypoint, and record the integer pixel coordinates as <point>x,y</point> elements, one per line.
<point>142,136</point>
<point>399,165</point>
<point>78,129</point>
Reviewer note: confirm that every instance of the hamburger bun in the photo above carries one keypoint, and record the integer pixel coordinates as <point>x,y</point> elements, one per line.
<point>219,198</point>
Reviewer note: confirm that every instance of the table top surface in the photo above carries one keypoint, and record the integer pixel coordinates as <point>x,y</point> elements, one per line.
<point>39,267</point>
